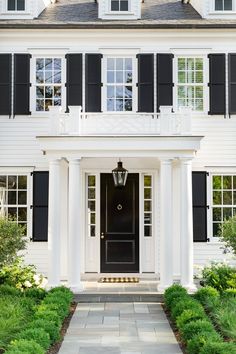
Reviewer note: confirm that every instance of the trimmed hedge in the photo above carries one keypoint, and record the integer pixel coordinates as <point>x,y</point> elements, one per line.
<point>36,334</point>
<point>23,346</point>
<point>204,294</point>
<point>196,329</point>
<point>49,327</point>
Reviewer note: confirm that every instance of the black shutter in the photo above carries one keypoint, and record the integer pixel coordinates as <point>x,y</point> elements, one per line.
<point>145,82</point>
<point>21,83</point>
<point>217,84</point>
<point>199,180</point>
<point>40,206</point>
<point>93,82</point>
<point>5,84</point>
<point>164,80</point>
<point>74,79</point>
<point>232,83</point>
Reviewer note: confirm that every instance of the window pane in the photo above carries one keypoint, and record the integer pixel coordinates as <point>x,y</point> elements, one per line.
<point>114,5</point>
<point>128,91</point>
<point>39,105</point>
<point>227,5</point>
<point>217,214</point>
<point>217,198</point>
<point>22,214</point>
<point>92,231</point>
<point>119,64</point>
<point>181,77</point>
<point>227,213</point>
<point>128,105</point>
<point>48,64</point>
<point>199,64</point>
<point>57,64</point>
<point>147,206</point>
<point>190,64</point>
<point>110,64</point>
<point>48,77</point>
<point>147,218</point>
<point>147,181</point>
<point>216,229</point>
<point>110,92</point>
<point>119,105</point>
<point>227,198</point>
<point>21,5</point>
<point>40,77</point>
<point>40,91</point>
<point>181,64</point>
<point>91,205</point>
<point>119,77</point>
<point>218,5</point>
<point>39,64</point>
<point>12,213</point>
<point>217,182</point>
<point>92,218</point>
<point>110,105</point>
<point>91,181</point>
<point>48,91</point>
<point>128,64</point>
<point>147,193</point>
<point>147,231</point>
<point>3,182</point>
<point>48,103</point>
<point>124,5</point>
<point>11,5</point>
<point>91,193</point>
<point>11,198</point>
<point>12,182</point>
<point>227,182</point>
<point>111,77</point>
<point>22,197</point>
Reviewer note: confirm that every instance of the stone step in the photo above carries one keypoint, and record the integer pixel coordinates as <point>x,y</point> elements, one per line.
<point>90,298</point>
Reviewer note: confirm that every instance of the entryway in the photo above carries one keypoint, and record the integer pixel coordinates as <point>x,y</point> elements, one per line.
<point>119,225</point>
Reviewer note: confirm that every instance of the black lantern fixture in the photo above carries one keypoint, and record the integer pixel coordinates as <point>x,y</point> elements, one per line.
<point>120,175</point>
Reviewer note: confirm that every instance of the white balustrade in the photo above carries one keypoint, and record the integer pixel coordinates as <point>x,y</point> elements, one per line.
<point>77,122</point>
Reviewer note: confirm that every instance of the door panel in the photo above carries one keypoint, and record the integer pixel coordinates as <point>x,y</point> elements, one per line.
<point>119,225</point>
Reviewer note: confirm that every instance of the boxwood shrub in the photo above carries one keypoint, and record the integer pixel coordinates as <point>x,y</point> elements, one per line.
<point>23,346</point>
<point>193,328</point>
<point>173,294</point>
<point>188,316</point>
<point>48,315</point>
<point>195,344</point>
<point>218,348</point>
<point>36,334</point>
<point>205,294</point>
<point>48,326</point>
<point>186,303</point>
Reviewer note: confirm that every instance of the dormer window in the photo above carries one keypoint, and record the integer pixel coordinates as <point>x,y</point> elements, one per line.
<point>119,5</point>
<point>223,5</point>
<point>16,5</point>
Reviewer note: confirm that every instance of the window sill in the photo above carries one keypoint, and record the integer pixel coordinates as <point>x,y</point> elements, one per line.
<point>17,12</point>
<point>222,12</point>
<point>116,13</point>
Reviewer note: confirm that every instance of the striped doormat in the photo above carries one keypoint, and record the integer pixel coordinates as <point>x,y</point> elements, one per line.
<point>119,280</point>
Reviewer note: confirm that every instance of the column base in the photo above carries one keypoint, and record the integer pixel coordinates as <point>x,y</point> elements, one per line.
<point>76,288</point>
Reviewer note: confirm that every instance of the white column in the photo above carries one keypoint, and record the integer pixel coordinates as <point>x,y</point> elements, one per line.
<point>54,237</point>
<point>186,224</point>
<point>74,223</point>
<point>166,225</point>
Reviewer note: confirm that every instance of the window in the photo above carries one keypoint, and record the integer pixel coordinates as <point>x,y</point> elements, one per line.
<point>91,205</point>
<point>119,84</point>
<point>13,198</point>
<point>223,200</point>
<point>48,85</point>
<point>147,190</point>
<point>119,5</point>
<point>190,83</point>
<point>16,5</point>
<point>223,5</point>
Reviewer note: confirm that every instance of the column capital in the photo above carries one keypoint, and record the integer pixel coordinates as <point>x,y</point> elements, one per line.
<point>185,160</point>
<point>74,160</point>
<point>166,160</point>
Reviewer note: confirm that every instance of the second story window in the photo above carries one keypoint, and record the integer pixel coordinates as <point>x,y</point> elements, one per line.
<point>119,84</point>
<point>119,5</point>
<point>16,5</point>
<point>223,5</point>
<point>48,83</point>
<point>190,83</point>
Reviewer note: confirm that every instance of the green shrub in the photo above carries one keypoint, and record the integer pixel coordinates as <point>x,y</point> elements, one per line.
<point>219,276</point>
<point>204,294</point>
<point>37,334</point>
<point>228,233</point>
<point>195,344</point>
<point>12,240</point>
<point>21,276</point>
<point>9,290</point>
<point>196,327</point>
<point>218,348</point>
<point>62,291</point>
<point>173,294</point>
<point>225,317</point>
<point>37,293</point>
<point>230,293</point>
<point>50,327</point>
<point>187,303</point>
<point>48,315</point>
<point>23,346</point>
<point>58,308</point>
<point>188,316</point>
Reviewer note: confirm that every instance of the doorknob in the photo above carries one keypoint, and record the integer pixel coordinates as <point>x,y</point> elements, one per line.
<point>102,235</point>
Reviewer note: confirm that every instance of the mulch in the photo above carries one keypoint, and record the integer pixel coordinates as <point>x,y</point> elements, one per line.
<point>56,346</point>
<point>175,330</point>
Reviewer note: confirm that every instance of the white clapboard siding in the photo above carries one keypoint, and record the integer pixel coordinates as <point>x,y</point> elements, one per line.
<point>37,254</point>
<point>205,253</point>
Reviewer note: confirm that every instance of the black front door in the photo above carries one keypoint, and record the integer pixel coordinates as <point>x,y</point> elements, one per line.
<point>119,225</point>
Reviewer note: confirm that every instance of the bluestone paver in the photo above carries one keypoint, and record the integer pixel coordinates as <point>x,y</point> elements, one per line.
<point>119,328</point>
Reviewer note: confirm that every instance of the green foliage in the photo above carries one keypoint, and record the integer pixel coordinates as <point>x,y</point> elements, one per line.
<point>188,316</point>
<point>48,315</point>
<point>173,294</point>
<point>20,275</point>
<point>12,240</point>
<point>228,233</point>
<point>14,314</point>
<point>62,291</point>
<point>36,293</point>
<point>23,346</point>
<point>195,344</point>
<point>205,294</point>
<point>186,303</point>
<point>224,315</point>
<point>219,276</point>
<point>58,308</point>
<point>230,293</point>
<point>193,328</point>
<point>9,290</point>
<point>37,334</point>
<point>50,327</point>
<point>218,348</point>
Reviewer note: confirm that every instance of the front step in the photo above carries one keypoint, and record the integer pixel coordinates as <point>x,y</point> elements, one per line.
<point>91,298</point>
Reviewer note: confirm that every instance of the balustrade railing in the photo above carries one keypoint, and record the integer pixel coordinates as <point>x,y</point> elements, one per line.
<point>81,123</point>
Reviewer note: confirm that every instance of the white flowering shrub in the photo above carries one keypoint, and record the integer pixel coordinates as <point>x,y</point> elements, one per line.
<point>22,276</point>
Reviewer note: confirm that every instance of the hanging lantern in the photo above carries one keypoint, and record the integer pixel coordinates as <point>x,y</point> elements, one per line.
<point>120,175</point>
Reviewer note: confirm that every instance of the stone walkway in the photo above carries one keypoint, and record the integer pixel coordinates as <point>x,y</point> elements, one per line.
<point>119,328</point>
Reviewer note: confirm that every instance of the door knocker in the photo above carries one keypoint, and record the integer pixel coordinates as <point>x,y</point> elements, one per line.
<point>119,207</point>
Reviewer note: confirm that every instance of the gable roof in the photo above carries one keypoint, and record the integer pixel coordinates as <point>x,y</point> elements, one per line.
<point>84,14</point>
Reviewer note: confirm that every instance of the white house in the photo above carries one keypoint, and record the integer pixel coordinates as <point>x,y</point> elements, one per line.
<point>84,85</point>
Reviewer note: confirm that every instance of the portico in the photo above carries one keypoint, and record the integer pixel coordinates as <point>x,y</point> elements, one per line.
<point>172,155</point>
